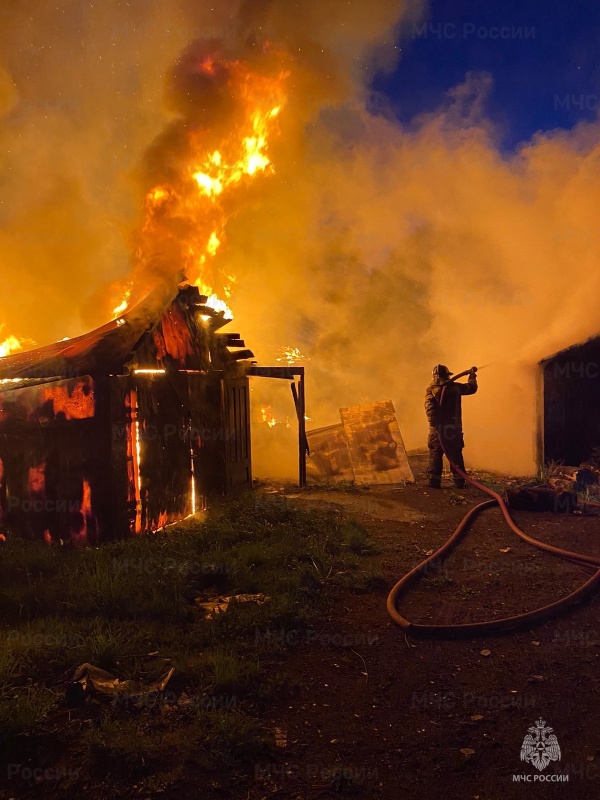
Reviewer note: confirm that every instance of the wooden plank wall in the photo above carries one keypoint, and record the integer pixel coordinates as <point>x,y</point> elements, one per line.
<point>55,462</point>
<point>208,435</point>
<point>166,473</point>
<point>68,453</point>
<point>236,425</point>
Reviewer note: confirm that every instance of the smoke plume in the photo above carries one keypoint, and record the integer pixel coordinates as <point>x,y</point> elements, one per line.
<point>376,249</point>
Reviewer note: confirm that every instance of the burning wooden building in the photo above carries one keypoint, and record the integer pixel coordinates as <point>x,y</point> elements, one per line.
<point>128,428</point>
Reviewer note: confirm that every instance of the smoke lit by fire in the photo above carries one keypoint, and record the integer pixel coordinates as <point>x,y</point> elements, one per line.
<point>375,250</point>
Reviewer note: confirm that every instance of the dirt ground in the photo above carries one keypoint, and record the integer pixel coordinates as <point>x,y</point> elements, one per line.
<point>374,714</point>
<point>368,712</point>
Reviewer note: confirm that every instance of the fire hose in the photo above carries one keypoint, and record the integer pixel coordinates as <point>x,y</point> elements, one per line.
<point>496,625</point>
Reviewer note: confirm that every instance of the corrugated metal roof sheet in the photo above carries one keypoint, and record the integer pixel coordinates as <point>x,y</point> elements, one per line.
<point>102,351</point>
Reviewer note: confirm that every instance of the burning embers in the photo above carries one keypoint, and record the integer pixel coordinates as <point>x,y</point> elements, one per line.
<point>82,524</point>
<point>73,402</point>
<point>199,165</point>
<point>46,480</point>
<point>267,416</point>
<point>290,356</point>
<point>62,400</point>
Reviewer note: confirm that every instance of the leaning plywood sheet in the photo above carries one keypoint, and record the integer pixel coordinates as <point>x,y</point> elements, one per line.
<point>376,448</point>
<point>329,459</point>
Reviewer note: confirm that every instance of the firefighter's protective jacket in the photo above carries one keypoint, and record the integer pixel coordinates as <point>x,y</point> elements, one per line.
<point>450,412</point>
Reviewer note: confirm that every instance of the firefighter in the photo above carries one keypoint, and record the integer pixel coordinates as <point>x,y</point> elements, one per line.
<point>445,423</point>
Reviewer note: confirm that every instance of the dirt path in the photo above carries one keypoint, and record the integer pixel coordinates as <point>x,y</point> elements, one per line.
<point>374,714</point>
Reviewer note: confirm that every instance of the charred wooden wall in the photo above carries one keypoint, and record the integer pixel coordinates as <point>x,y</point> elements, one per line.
<point>161,427</point>
<point>89,460</point>
<point>55,457</point>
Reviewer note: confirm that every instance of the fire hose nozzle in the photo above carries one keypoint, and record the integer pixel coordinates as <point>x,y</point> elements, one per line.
<point>462,374</point>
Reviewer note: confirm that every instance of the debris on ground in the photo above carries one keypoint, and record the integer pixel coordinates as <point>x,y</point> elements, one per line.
<point>220,604</point>
<point>541,498</point>
<point>584,479</point>
<point>88,679</point>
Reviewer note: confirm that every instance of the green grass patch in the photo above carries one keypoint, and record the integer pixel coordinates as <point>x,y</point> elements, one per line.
<point>23,709</point>
<point>129,608</point>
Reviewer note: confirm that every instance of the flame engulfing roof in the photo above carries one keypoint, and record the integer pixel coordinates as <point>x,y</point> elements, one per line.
<point>103,351</point>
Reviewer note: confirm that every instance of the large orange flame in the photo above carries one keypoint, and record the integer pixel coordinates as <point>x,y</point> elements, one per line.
<point>11,344</point>
<point>186,215</point>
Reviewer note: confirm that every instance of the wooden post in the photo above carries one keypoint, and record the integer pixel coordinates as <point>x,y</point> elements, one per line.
<point>540,413</point>
<point>298,393</point>
<point>302,429</point>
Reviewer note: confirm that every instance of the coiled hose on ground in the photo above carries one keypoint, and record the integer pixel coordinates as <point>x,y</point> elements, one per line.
<point>497,625</point>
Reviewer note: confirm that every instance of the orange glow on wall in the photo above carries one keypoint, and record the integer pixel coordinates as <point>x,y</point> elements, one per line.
<point>37,479</point>
<point>80,537</point>
<point>75,403</point>
<point>134,459</point>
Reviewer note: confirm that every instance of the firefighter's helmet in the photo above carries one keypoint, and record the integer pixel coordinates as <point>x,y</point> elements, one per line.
<point>441,373</point>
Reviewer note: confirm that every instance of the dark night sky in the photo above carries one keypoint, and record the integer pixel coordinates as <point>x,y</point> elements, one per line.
<point>550,80</point>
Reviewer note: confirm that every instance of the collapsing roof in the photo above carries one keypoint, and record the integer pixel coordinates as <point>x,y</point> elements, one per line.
<point>171,316</point>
